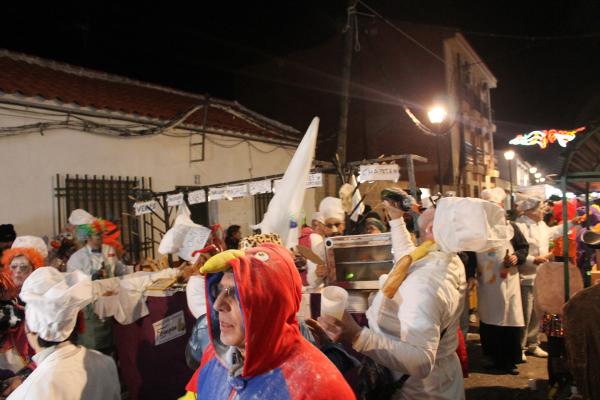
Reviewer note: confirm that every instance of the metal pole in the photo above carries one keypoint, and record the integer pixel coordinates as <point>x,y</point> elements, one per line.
<point>510,176</point>
<point>439,162</point>
<point>346,76</point>
<point>563,184</point>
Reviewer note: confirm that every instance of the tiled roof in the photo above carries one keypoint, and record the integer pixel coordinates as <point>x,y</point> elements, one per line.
<point>33,77</point>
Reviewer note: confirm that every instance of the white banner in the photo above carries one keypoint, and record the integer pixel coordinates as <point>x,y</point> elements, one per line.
<point>379,172</point>
<point>314,180</point>
<point>236,191</point>
<point>145,207</point>
<point>197,196</point>
<point>258,187</point>
<point>217,193</point>
<point>174,200</point>
<point>169,328</point>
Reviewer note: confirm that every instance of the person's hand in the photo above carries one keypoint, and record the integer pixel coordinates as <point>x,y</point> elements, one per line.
<point>317,331</point>
<point>321,271</point>
<point>472,283</point>
<point>540,260</point>
<point>344,331</point>
<point>11,384</point>
<point>137,267</point>
<point>391,211</point>
<point>510,261</point>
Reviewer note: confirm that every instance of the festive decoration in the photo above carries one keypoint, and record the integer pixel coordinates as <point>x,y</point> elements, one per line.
<point>542,138</point>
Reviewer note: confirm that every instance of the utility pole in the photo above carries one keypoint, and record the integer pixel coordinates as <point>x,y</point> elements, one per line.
<point>342,132</point>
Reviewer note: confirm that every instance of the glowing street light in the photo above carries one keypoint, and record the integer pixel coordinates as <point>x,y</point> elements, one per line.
<point>437,115</point>
<point>508,156</point>
<point>532,170</point>
<point>538,175</point>
<point>542,180</point>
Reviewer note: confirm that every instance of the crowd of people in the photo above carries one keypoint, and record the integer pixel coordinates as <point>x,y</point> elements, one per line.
<point>248,342</point>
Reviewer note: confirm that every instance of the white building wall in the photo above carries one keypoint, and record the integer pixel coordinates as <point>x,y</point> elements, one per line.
<point>31,161</point>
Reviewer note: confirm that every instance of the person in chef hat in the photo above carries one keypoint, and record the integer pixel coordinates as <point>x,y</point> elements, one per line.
<point>334,217</point>
<point>64,370</point>
<point>25,255</point>
<point>413,327</point>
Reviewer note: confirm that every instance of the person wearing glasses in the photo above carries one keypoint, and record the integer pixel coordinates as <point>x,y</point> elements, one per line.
<point>256,350</point>
<point>26,254</point>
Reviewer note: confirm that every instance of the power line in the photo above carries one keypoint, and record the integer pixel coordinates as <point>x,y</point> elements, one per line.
<point>403,33</point>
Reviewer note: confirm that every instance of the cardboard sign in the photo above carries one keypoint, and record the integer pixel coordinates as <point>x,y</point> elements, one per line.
<point>197,196</point>
<point>217,193</point>
<point>169,328</point>
<point>314,180</point>
<point>258,187</point>
<point>174,200</point>
<point>379,172</point>
<point>236,191</point>
<point>195,239</point>
<point>145,207</point>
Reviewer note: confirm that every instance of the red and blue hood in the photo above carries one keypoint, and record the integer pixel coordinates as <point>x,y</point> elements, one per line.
<point>269,290</point>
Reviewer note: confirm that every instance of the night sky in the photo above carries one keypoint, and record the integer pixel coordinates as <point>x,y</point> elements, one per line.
<point>546,55</point>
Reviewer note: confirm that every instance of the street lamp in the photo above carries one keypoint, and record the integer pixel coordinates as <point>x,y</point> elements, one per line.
<point>538,175</point>
<point>508,156</point>
<point>532,170</point>
<point>437,115</point>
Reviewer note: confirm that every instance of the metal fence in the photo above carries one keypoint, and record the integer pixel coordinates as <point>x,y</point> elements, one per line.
<point>106,197</point>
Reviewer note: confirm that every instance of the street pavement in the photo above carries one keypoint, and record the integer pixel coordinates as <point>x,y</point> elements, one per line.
<point>483,384</point>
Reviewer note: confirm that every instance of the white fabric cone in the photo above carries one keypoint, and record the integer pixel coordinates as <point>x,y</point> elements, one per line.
<point>284,213</point>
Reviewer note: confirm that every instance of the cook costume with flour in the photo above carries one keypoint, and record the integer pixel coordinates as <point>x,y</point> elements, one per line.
<point>280,364</point>
<point>405,332</point>
<point>64,371</point>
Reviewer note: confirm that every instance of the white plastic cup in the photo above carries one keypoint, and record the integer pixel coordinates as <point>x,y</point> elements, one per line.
<point>333,301</point>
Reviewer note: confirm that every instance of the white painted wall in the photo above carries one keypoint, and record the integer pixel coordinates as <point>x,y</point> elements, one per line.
<point>30,163</point>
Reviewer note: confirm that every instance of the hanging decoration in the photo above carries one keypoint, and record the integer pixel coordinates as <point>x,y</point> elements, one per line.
<point>542,138</point>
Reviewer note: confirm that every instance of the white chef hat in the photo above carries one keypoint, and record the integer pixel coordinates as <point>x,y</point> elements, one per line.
<point>468,224</point>
<point>331,207</point>
<point>53,300</point>
<point>526,203</point>
<point>80,217</point>
<point>31,242</point>
<point>495,195</point>
<point>316,216</point>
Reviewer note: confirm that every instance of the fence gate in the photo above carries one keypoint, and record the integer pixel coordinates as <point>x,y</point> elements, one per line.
<point>106,197</point>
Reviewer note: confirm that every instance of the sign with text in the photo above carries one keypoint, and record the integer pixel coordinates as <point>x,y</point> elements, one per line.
<point>217,193</point>
<point>145,207</point>
<point>197,196</point>
<point>379,172</point>
<point>314,180</point>
<point>236,191</point>
<point>195,239</point>
<point>169,328</point>
<point>174,200</point>
<point>258,187</point>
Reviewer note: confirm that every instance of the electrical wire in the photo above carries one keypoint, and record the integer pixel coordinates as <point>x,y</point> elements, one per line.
<point>403,33</point>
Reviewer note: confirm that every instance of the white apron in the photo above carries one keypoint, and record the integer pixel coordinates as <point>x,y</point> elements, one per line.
<point>499,290</point>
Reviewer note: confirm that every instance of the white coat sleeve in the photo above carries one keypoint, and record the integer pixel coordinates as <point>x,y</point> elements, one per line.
<point>317,245</point>
<point>557,231</point>
<point>402,243</point>
<point>79,261</point>
<point>196,297</point>
<point>527,234</point>
<point>394,354</point>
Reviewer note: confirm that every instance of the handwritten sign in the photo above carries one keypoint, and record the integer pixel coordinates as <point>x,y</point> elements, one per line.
<point>174,200</point>
<point>236,191</point>
<point>217,193</point>
<point>195,239</point>
<point>197,196</point>
<point>169,328</point>
<point>314,180</point>
<point>258,187</point>
<point>379,172</point>
<point>145,207</point>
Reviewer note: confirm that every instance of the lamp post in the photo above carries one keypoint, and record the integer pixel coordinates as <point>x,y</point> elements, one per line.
<point>437,115</point>
<point>508,156</point>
